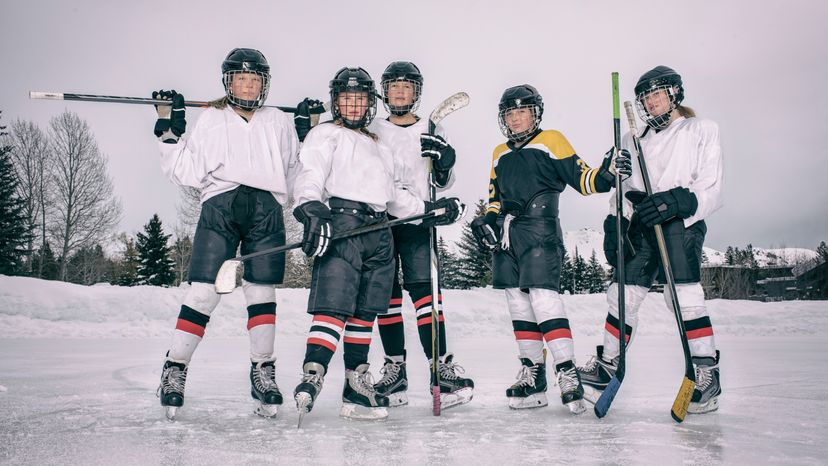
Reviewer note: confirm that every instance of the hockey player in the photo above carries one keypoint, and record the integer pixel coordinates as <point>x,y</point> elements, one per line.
<point>405,134</point>
<point>243,158</point>
<point>684,161</point>
<point>522,226</point>
<point>347,180</point>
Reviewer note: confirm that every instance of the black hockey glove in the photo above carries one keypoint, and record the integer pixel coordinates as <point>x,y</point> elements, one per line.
<point>611,240</point>
<point>318,231</point>
<point>622,163</point>
<point>302,117</point>
<point>453,206</point>
<point>441,153</point>
<point>171,123</point>
<point>485,231</point>
<point>664,205</point>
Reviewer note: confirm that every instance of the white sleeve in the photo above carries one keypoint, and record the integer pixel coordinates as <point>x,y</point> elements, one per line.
<point>186,162</point>
<point>290,146</point>
<point>314,166</point>
<point>707,185</point>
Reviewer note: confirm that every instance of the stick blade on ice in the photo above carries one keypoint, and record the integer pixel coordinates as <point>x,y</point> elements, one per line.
<point>603,404</point>
<point>685,394</point>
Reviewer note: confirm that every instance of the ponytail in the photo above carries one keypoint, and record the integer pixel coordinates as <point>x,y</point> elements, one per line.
<point>686,112</point>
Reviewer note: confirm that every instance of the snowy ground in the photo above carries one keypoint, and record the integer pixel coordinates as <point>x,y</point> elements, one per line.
<point>80,366</point>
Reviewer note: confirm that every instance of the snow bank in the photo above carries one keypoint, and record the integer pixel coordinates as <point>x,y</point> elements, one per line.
<point>31,308</point>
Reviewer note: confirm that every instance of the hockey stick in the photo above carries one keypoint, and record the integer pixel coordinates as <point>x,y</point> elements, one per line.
<point>147,101</point>
<point>226,277</point>
<point>685,393</point>
<point>455,102</point>
<point>605,400</point>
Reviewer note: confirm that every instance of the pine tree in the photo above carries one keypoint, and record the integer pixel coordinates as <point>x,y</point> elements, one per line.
<point>156,266</point>
<point>128,267</point>
<point>566,274</point>
<point>15,232</point>
<point>50,269</point>
<point>448,266</point>
<point>578,274</point>
<point>822,250</point>
<point>729,256</point>
<point>474,266</point>
<point>594,275</point>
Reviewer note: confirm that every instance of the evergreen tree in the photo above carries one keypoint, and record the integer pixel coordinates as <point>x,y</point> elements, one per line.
<point>594,275</point>
<point>822,250</point>
<point>566,274</point>
<point>156,266</point>
<point>578,274</point>
<point>128,267</point>
<point>50,269</point>
<point>729,256</point>
<point>15,232</point>
<point>89,265</point>
<point>750,257</point>
<point>448,266</point>
<point>474,266</point>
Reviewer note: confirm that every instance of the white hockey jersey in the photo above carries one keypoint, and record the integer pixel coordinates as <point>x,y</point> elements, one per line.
<point>688,154</point>
<point>404,142</point>
<point>341,162</point>
<point>224,151</point>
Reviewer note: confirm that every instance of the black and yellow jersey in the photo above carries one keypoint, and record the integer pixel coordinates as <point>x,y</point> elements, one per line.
<point>547,163</point>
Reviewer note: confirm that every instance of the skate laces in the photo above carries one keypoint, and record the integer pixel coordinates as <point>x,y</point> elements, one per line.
<point>364,383</point>
<point>449,370</point>
<point>390,373</point>
<point>591,364</point>
<point>313,379</point>
<point>568,380</point>
<point>704,377</point>
<point>264,376</point>
<point>173,380</point>
<point>526,376</point>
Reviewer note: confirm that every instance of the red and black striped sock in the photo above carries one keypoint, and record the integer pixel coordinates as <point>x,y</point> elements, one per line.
<point>392,329</point>
<point>422,306</point>
<point>323,338</point>
<point>357,339</point>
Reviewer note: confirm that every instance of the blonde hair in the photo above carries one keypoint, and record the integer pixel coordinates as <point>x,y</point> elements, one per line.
<point>219,103</point>
<point>686,112</point>
<point>363,130</point>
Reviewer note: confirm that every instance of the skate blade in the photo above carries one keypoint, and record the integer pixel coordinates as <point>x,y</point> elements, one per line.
<point>706,407</point>
<point>591,394</point>
<point>363,413</point>
<point>576,407</point>
<point>398,399</point>
<point>535,400</point>
<point>264,410</point>
<point>170,412</point>
<point>457,398</point>
<point>303,405</point>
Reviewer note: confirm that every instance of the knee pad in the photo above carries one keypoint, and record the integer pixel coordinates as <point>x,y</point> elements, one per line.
<point>202,297</point>
<point>546,304</point>
<point>520,307</point>
<point>690,295</point>
<point>634,295</point>
<point>256,293</point>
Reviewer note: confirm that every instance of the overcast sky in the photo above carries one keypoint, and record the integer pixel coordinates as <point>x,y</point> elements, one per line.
<point>757,69</point>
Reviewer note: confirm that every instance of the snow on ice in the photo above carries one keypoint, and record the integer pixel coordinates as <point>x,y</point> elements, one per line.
<point>81,364</point>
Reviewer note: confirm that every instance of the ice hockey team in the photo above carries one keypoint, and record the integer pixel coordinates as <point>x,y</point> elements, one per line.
<point>358,171</point>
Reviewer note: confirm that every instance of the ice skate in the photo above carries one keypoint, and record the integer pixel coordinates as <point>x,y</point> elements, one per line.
<point>359,400</point>
<point>530,389</point>
<point>171,389</point>
<point>706,395</point>
<point>308,389</point>
<point>394,383</point>
<point>263,388</point>
<point>572,392</point>
<point>454,390</point>
<point>596,374</point>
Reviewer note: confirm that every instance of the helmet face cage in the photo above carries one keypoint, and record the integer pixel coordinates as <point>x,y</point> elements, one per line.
<point>400,110</point>
<point>657,122</point>
<point>227,80</point>
<point>355,80</point>
<point>522,135</point>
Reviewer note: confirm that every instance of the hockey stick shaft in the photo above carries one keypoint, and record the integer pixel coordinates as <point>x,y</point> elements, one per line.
<point>679,409</point>
<point>604,402</point>
<point>143,100</point>
<point>226,277</point>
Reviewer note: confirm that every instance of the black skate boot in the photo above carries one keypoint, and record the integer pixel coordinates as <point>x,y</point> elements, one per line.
<point>359,400</point>
<point>308,389</point>
<point>572,392</point>
<point>596,374</point>
<point>706,395</point>
<point>454,390</point>
<point>394,383</point>
<point>530,389</point>
<point>263,388</point>
<point>171,388</point>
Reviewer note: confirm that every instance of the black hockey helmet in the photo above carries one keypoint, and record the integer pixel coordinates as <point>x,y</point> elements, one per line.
<point>523,96</point>
<point>353,80</point>
<point>659,78</point>
<point>402,71</point>
<point>242,60</point>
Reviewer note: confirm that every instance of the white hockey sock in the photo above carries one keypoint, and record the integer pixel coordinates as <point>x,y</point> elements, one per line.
<point>633,298</point>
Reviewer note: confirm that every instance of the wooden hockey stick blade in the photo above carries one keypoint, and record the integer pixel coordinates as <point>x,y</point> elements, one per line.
<point>685,394</point>
<point>226,277</point>
<point>455,102</point>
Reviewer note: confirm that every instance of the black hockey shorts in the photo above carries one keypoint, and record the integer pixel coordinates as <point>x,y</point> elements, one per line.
<point>247,216</point>
<point>534,257</point>
<point>684,248</point>
<point>414,253</point>
<point>355,273</point>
